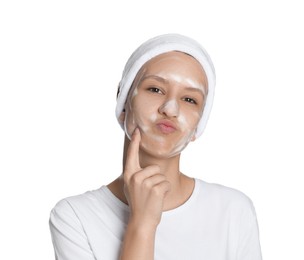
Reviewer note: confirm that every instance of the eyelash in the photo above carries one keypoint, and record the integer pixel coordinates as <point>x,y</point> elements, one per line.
<point>155,90</point>
<point>158,91</point>
<point>190,100</point>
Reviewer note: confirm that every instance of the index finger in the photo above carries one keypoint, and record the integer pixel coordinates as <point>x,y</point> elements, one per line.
<point>132,161</point>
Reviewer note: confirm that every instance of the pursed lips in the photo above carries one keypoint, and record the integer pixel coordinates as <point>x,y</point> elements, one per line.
<point>166,126</point>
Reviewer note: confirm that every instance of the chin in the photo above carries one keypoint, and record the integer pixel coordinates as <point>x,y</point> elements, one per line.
<point>160,152</point>
<point>162,147</point>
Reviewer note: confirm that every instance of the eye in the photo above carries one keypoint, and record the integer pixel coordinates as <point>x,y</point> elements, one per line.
<point>155,90</point>
<point>190,100</point>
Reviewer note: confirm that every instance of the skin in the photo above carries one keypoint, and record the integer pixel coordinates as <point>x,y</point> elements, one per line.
<point>169,90</point>
<point>166,88</point>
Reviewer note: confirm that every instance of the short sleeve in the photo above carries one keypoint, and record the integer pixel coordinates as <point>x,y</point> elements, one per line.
<point>249,242</point>
<point>69,239</point>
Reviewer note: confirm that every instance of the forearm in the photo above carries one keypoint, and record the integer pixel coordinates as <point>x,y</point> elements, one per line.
<point>138,243</point>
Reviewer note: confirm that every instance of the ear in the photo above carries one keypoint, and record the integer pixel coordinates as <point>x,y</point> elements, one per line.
<point>122,116</point>
<point>193,138</point>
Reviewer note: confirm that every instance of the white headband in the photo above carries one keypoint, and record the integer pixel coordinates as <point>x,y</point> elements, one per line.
<point>162,44</point>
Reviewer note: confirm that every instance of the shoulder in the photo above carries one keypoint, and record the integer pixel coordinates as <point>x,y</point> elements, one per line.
<point>219,190</point>
<point>74,205</point>
<point>69,227</point>
<point>227,197</point>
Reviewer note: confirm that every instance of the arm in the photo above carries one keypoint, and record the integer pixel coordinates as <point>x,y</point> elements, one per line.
<point>68,237</point>
<point>138,243</point>
<point>145,190</point>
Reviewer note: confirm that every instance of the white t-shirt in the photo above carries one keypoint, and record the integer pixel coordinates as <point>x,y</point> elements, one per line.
<point>215,223</point>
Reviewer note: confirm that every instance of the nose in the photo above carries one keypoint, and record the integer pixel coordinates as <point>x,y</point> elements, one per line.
<point>170,108</point>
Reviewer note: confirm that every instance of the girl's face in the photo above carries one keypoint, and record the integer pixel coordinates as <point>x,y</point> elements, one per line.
<point>166,103</point>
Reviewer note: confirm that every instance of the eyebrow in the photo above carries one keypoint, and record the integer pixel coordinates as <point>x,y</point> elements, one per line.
<point>158,78</point>
<point>196,90</point>
<point>162,80</point>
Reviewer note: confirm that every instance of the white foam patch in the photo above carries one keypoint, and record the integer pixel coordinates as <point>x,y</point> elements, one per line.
<point>153,117</point>
<point>196,85</point>
<point>135,92</point>
<point>182,122</point>
<point>171,107</point>
<point>158,138</point>
<point>143,127</point>
<point>189,82</point>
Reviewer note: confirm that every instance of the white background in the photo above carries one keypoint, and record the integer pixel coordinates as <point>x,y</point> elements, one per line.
<point>60,64</point>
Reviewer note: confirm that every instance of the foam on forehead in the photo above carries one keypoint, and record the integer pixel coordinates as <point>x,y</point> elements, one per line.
<point>156,46</point>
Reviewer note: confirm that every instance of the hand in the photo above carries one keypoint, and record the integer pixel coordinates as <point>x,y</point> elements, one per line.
<point>145,189</point>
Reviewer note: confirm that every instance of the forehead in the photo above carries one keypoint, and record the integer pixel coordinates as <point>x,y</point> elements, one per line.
<point>177,63</point>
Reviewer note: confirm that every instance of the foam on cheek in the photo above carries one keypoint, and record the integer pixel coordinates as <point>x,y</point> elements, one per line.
<point>187,132</point>
<point>155,138</point>
<point>182,122</point>
<point>182,119</point>
<point>153,118</point>
<point>136,121</point>
<point>148,131</point>
<point>135,92</point>
<point>130,114</point>
<point>142,126</point>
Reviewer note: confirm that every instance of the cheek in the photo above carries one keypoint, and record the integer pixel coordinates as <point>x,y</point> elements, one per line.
<point>188,124</point>
<point>130,116</point>
<point>183,122</point>
<point>188,121</point>
<point>137,115</point>
<point>129,123</point>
